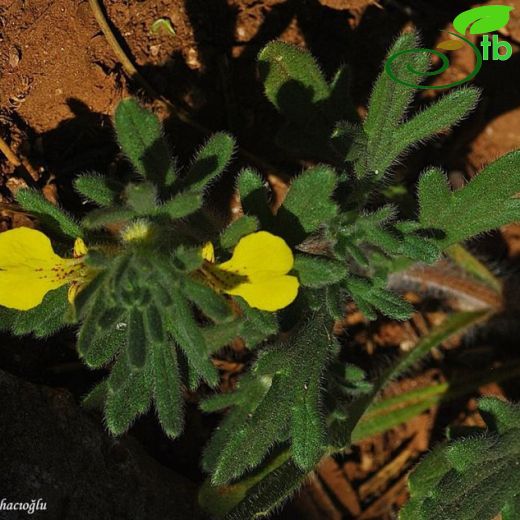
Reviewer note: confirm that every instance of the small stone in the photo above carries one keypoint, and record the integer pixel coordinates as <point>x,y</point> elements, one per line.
<point>15,55</point>
<point>154,50</point>
<point>192,58</point>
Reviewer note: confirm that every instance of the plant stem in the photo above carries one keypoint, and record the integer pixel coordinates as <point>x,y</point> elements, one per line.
<point>463,258</point>
<point>470,285</point>
<point>454,324</point>
<point>389,413</point>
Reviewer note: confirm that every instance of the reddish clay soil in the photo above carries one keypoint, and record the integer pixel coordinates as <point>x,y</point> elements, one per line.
<point>60,82</point>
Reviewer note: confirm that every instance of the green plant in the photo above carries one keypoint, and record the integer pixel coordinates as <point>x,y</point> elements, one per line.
<point>348,242</point>
<point>151,304</point>
<point>473,476</point>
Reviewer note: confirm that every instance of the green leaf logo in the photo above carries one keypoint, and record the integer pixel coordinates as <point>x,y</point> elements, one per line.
<point>483,19</point>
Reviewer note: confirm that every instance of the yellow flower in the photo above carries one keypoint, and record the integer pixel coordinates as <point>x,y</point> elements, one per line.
<point>257,271</point>
<point>29,268</point>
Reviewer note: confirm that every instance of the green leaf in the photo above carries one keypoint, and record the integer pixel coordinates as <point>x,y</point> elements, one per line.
<point>96,398</point>
<point>136,339</point>
<point>511,510</point>
<point>247,446</point>
<point>257,325</point>
<point>163,25</point>
<point>349,140</point>
<point>104,347</point>
<point>93,313</point>
<point>210,162</point>
<point>188,259</point>
<point>308,204</point>
<point>141,197</point>
<point>342,432</point>
<point>484,19</point>
<point>182,205</point>
<point>313,271</point>
<point>253,197</point>
<point>292,79</point>
<point>439,116</point>
<point>153,323</point>
<point>43,320</point>
<point>102,217</point>
<point>500,416</point>
<point>285,383</point>
<point>472,478</point>
<point>180,322</point>
<point>369,297</point>
<point>85,298</point>
<point>294,83</point>
<point>139,133</point>
<point>167,389</point>
<point>241,227</point>
<point>485,203</point>
<point>130,398</point>
<point>307,431</point>
<point>213,305</point>
<point>96,188</point>
<point>250,391</point>
<point>388,104</point>
<point>221,334</point>
<point>269,493</point>
<point>335,302</point>
<point>7,318</point>
<point>216,503</point>
<point>50,215</point>
<point>415,246</point>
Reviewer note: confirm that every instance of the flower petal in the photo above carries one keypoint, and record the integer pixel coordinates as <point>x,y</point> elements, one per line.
<point>208,252</point>
<point>268,295</point>
<point>21,290</point>
<point>80,249</point>
<point>260,255</point>
<point>26,247</point>
<point>29,268</point>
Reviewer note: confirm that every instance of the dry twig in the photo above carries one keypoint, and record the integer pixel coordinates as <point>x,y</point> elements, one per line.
<point>16,161</point>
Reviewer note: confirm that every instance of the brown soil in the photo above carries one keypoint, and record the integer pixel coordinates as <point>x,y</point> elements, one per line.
<point>60,82</point>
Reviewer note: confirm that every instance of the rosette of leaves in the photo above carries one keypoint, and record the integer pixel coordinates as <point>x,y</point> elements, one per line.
<point>145,315</point>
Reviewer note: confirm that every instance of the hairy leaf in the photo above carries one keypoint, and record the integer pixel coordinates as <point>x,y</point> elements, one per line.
<point>486,202</point>
<point>50,215</point>
<point>167,388</point>
<point>472,478</point>
<point>96,188</point>
<point>210,162</point>
<point>314,271</point>
<point>139,133</point>
<point>308,204</point>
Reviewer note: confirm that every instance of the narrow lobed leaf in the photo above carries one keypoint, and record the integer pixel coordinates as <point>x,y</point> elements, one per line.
<point>314,271</point>
<point>241,227</point>
<point>167,389</point>
<point>139,133</point>
<point>49,214</point>
<point>210,162</point>
<point>96,188</point>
